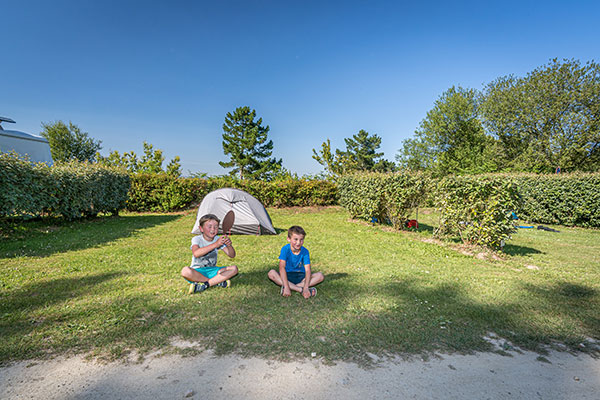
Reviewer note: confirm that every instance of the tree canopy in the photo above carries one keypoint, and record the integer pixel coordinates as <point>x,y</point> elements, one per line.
<point>548,119</point>
<point>69,143</point>
<point>245,142</point>
<point>451,138</point>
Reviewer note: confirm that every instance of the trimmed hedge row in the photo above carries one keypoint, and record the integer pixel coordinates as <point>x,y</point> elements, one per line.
<point>387,197</point>
<point>72,190</point>
<point>563,199</point>
<point>152,192</point>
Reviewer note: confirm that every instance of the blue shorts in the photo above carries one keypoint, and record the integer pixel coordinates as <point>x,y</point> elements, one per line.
<point>209,272</point>
<point>295,276</point>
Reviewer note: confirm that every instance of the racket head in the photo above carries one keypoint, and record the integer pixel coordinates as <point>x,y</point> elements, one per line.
<point>228,221</point>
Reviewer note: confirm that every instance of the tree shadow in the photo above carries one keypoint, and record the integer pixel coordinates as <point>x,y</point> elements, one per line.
<point>47,237</point>
<point>516,250</point>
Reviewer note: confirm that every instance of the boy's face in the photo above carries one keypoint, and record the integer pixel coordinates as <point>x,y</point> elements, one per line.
<point>296,241</point>
<point>209,229</point>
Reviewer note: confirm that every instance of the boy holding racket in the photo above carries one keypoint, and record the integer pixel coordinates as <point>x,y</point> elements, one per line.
<point>294,267</point>
<point>204,273</point>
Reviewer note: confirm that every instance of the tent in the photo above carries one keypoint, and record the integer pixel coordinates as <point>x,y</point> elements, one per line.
<point>251,217</point>
<point>35,148</point>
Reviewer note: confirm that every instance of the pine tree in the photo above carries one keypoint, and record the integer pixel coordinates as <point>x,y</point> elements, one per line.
<point>245,141</point>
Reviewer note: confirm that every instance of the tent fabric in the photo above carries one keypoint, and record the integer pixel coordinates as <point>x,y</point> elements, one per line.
<point>251,217</point>
<point>35,148</point>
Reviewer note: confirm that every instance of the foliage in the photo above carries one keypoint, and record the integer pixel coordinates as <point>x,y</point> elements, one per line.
<point>150,163</point>
<point>360,155</point>
<point>387,197</point>
<point>333,163</point>
<point>245,141</point>
<point>477,208</point>
<point>451,139</point>
<point>69,143</point>
<point>161,192</point>
<point>72,190</point>
<point>548,119</point>
<point>565,199</point>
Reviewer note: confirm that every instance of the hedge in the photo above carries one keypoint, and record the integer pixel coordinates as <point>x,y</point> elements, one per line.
<point>563,199</point>
<point>72,190</point>
<point>161,192</point>
<point>386,197</point>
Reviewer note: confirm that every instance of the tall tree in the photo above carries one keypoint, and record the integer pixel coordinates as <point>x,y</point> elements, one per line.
<point>245,141</point>
<point>69,142</point>
<point>450,139</point>
<point>360,155</point>
<point>361,151</point>
<point>548,119</point>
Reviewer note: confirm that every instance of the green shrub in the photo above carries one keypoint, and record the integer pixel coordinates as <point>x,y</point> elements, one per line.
<point>387,197</point>
<point>161,192</point>
<point>565,199</point>
<point>73,190</point>
<point>477,208</point>
<point>26,189</point>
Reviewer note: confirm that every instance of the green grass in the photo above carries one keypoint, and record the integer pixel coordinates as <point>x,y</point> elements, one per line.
<point>111,285</point>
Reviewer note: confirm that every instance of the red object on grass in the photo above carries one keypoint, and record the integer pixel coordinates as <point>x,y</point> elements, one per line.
<point>412,223</point>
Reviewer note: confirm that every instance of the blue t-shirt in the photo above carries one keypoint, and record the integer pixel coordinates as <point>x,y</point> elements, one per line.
<point>294,262</point>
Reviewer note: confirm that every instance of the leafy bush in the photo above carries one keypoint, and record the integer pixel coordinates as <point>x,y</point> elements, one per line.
<point>84,189</point>
<point>565,199</point>
<point>161,192</point>
<point>477,208</point>
<point>73,190</point>
<point>387,197</point>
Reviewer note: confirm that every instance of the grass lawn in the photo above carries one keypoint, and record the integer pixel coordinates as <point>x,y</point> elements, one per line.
<point>112,285</point>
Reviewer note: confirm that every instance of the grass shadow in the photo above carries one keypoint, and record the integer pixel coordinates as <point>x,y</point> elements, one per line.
<point>44,238</point>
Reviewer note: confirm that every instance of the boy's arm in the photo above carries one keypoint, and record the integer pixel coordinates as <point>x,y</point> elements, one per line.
<point>198,251</point>
<point>228,249</point>
<point>305,291</point>
<point>283,275</point>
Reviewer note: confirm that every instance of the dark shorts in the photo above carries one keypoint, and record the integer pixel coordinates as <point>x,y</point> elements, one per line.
<point>295,276</point>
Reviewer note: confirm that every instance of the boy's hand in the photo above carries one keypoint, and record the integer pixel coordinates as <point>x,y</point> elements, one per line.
<point>306,292</point>
<point>286,292</point>
<point>223,240</point>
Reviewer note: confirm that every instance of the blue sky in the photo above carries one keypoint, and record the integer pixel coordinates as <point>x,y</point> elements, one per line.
<point>167,72</point>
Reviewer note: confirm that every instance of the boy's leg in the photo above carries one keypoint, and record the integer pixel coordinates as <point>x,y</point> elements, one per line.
<point>192,275</point>
<point>275,277</point>
<point>315,279</point>
<point>223,275</point>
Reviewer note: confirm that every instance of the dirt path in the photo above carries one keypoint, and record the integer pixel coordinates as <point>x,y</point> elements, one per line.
<point>482,376</point>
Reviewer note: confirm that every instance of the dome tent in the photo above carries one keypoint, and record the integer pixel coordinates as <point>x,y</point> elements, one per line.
<point>251,217</point>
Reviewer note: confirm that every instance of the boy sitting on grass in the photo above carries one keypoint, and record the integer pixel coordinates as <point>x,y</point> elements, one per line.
<point>204,273</point>
<point>294,267</point>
